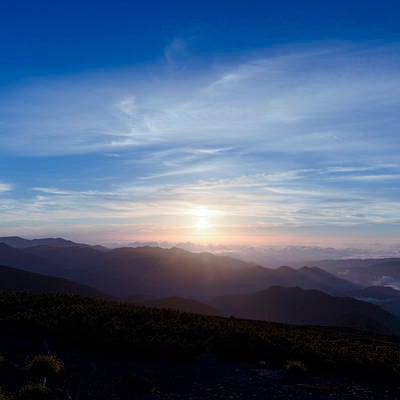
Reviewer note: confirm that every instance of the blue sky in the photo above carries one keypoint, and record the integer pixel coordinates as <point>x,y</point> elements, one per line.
<point>250,122</point>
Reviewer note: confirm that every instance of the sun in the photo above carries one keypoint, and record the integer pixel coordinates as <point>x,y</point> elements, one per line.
<point>202,220</point>
<point>202,223</point>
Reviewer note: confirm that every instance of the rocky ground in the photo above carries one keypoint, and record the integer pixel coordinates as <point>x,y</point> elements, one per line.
<point>217,381</point>
<point>94,377</point>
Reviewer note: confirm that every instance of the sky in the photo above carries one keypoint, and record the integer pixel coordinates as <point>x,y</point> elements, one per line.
<point>232,122</point>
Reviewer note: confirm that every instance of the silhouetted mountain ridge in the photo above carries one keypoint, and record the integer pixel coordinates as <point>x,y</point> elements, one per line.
<point>385,297</point>
<point>298,306</point>
<point>21,243</point>
<point>16,280</point>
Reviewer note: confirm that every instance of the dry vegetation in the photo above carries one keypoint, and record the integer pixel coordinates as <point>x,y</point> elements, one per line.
<point>122,331</point>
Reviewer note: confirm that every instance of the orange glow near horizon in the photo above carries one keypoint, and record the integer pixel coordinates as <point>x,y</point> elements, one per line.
<point>216,234</point>
<point>215,226</point>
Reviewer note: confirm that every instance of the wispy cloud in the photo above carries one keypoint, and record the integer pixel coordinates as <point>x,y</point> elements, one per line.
<point>5,187</point>
<point>299,101</point>
<point>175,52</point>
<point>370,178</point>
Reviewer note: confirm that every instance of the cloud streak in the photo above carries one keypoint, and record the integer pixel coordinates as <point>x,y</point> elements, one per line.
<point>298,99</point>
<point>5,187</point>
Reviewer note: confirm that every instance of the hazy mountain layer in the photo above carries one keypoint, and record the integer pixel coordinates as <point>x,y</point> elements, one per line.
<point>366,272</point>
<point>385,297</point>
<point>15,280</point>
<point>299,306</point>
<point>21,243</point>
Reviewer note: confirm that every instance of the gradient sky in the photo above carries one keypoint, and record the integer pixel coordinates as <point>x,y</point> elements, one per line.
<point>251,122</point>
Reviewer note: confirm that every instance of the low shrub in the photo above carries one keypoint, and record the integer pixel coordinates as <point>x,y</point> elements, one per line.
<point>34,391</point>
<point>296,367</point>
<point>45,366</point>
<point>3,396</point>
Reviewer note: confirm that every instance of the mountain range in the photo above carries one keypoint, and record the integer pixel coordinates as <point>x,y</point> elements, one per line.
<point>202,283</point>
<point>164,272</point>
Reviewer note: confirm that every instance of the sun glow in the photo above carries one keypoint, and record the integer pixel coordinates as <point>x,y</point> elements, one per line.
<point>202,221</point>
<point>202,224</point>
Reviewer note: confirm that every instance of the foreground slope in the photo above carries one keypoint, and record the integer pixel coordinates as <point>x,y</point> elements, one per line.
<point>299,306</point>
<point>185,305</point>
<point>122,330</point>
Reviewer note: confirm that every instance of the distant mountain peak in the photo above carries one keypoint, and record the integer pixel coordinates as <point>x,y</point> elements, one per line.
<point>22,243</point>
<point>285,268</point>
